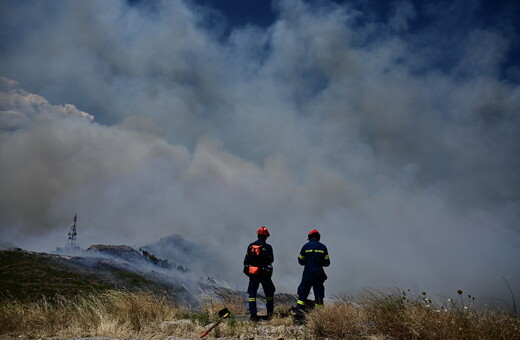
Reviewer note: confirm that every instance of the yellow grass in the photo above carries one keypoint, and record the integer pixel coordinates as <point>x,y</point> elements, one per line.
<point>377,315</point>
<point>124,315</point>
<point>110,313</point>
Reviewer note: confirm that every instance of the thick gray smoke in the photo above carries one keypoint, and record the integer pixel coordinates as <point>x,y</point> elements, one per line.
<point>403,155</point>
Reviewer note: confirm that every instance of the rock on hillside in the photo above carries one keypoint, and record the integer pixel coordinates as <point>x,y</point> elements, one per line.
<point>182,253</point>
<point>123,252</point>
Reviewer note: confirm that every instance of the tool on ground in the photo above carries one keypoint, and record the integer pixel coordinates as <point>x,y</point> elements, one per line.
<point>222,314</point>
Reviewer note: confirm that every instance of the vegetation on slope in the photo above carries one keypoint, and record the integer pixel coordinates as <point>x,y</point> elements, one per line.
<point>123,314</point>
<point>405,315</point>
<point>43,296</point>
<point>28,276</point>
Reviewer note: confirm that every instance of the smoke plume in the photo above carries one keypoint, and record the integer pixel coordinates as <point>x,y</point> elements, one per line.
<point>160,119</point>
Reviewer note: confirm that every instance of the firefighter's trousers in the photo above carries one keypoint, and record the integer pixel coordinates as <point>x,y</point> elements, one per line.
<point>268,287</point>
<point>316,283</point>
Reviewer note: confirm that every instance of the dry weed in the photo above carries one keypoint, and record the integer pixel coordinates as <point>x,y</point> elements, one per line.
<point>110,313</point>
<point>404,315</point>
<point>343,320</point>
<point>121,314</point>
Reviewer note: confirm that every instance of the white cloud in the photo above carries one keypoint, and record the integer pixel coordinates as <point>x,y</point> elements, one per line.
<point>18,107</point>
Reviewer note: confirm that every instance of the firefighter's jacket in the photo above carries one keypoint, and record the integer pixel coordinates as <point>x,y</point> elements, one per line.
<point>314,256</point>
<point>265,258</point>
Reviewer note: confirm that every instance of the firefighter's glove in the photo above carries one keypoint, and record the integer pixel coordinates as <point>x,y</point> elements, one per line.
<point>246,269</point>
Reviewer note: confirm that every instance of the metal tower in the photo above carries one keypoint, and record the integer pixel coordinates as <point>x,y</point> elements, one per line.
<point>73,233</point>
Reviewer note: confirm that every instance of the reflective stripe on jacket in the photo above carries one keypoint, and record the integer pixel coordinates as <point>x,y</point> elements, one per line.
<point>314,256</point>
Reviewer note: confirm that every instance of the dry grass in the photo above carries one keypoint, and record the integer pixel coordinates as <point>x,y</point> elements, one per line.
<point>110,313</point>
<point>342,320</point>
<point>375,315</point>
<point>122,314</point>
<point>401,315</point>
<point>218,299</point>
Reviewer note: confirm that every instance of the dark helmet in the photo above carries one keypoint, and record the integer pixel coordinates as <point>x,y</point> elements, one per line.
<point>314,234</point>
<point>263,231</point>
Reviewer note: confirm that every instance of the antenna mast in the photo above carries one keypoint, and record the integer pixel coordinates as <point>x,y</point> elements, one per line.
<point>73,233</point>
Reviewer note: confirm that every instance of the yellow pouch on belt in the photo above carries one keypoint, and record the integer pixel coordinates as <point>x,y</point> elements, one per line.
<point>254,270</point>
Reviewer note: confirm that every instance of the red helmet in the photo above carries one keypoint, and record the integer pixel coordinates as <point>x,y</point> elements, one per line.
<point>263,231</point>
<point>314,233</point>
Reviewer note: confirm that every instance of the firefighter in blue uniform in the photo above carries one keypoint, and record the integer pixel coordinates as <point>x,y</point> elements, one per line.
<point>258,266</point>
<point>314,256</point>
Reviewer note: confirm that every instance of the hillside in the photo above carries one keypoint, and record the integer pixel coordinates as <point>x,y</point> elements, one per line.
<point>111,292</point>
<point>27,275</point>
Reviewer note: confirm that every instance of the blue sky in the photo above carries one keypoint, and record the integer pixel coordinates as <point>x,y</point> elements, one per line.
<point>448,17</point>
<point>392,127</point>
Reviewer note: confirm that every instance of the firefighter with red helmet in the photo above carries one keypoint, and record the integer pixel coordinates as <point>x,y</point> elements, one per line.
<point>258,266</point>
<point>313,256</point>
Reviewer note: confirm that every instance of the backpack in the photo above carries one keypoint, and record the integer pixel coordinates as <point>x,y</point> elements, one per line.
<point>255,251</point>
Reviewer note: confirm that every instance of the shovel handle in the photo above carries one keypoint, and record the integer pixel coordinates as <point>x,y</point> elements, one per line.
<point>209,329</point>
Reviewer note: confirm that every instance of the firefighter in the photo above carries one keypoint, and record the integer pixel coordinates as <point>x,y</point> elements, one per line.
<point>258,266</point>
<point>314,256</point>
